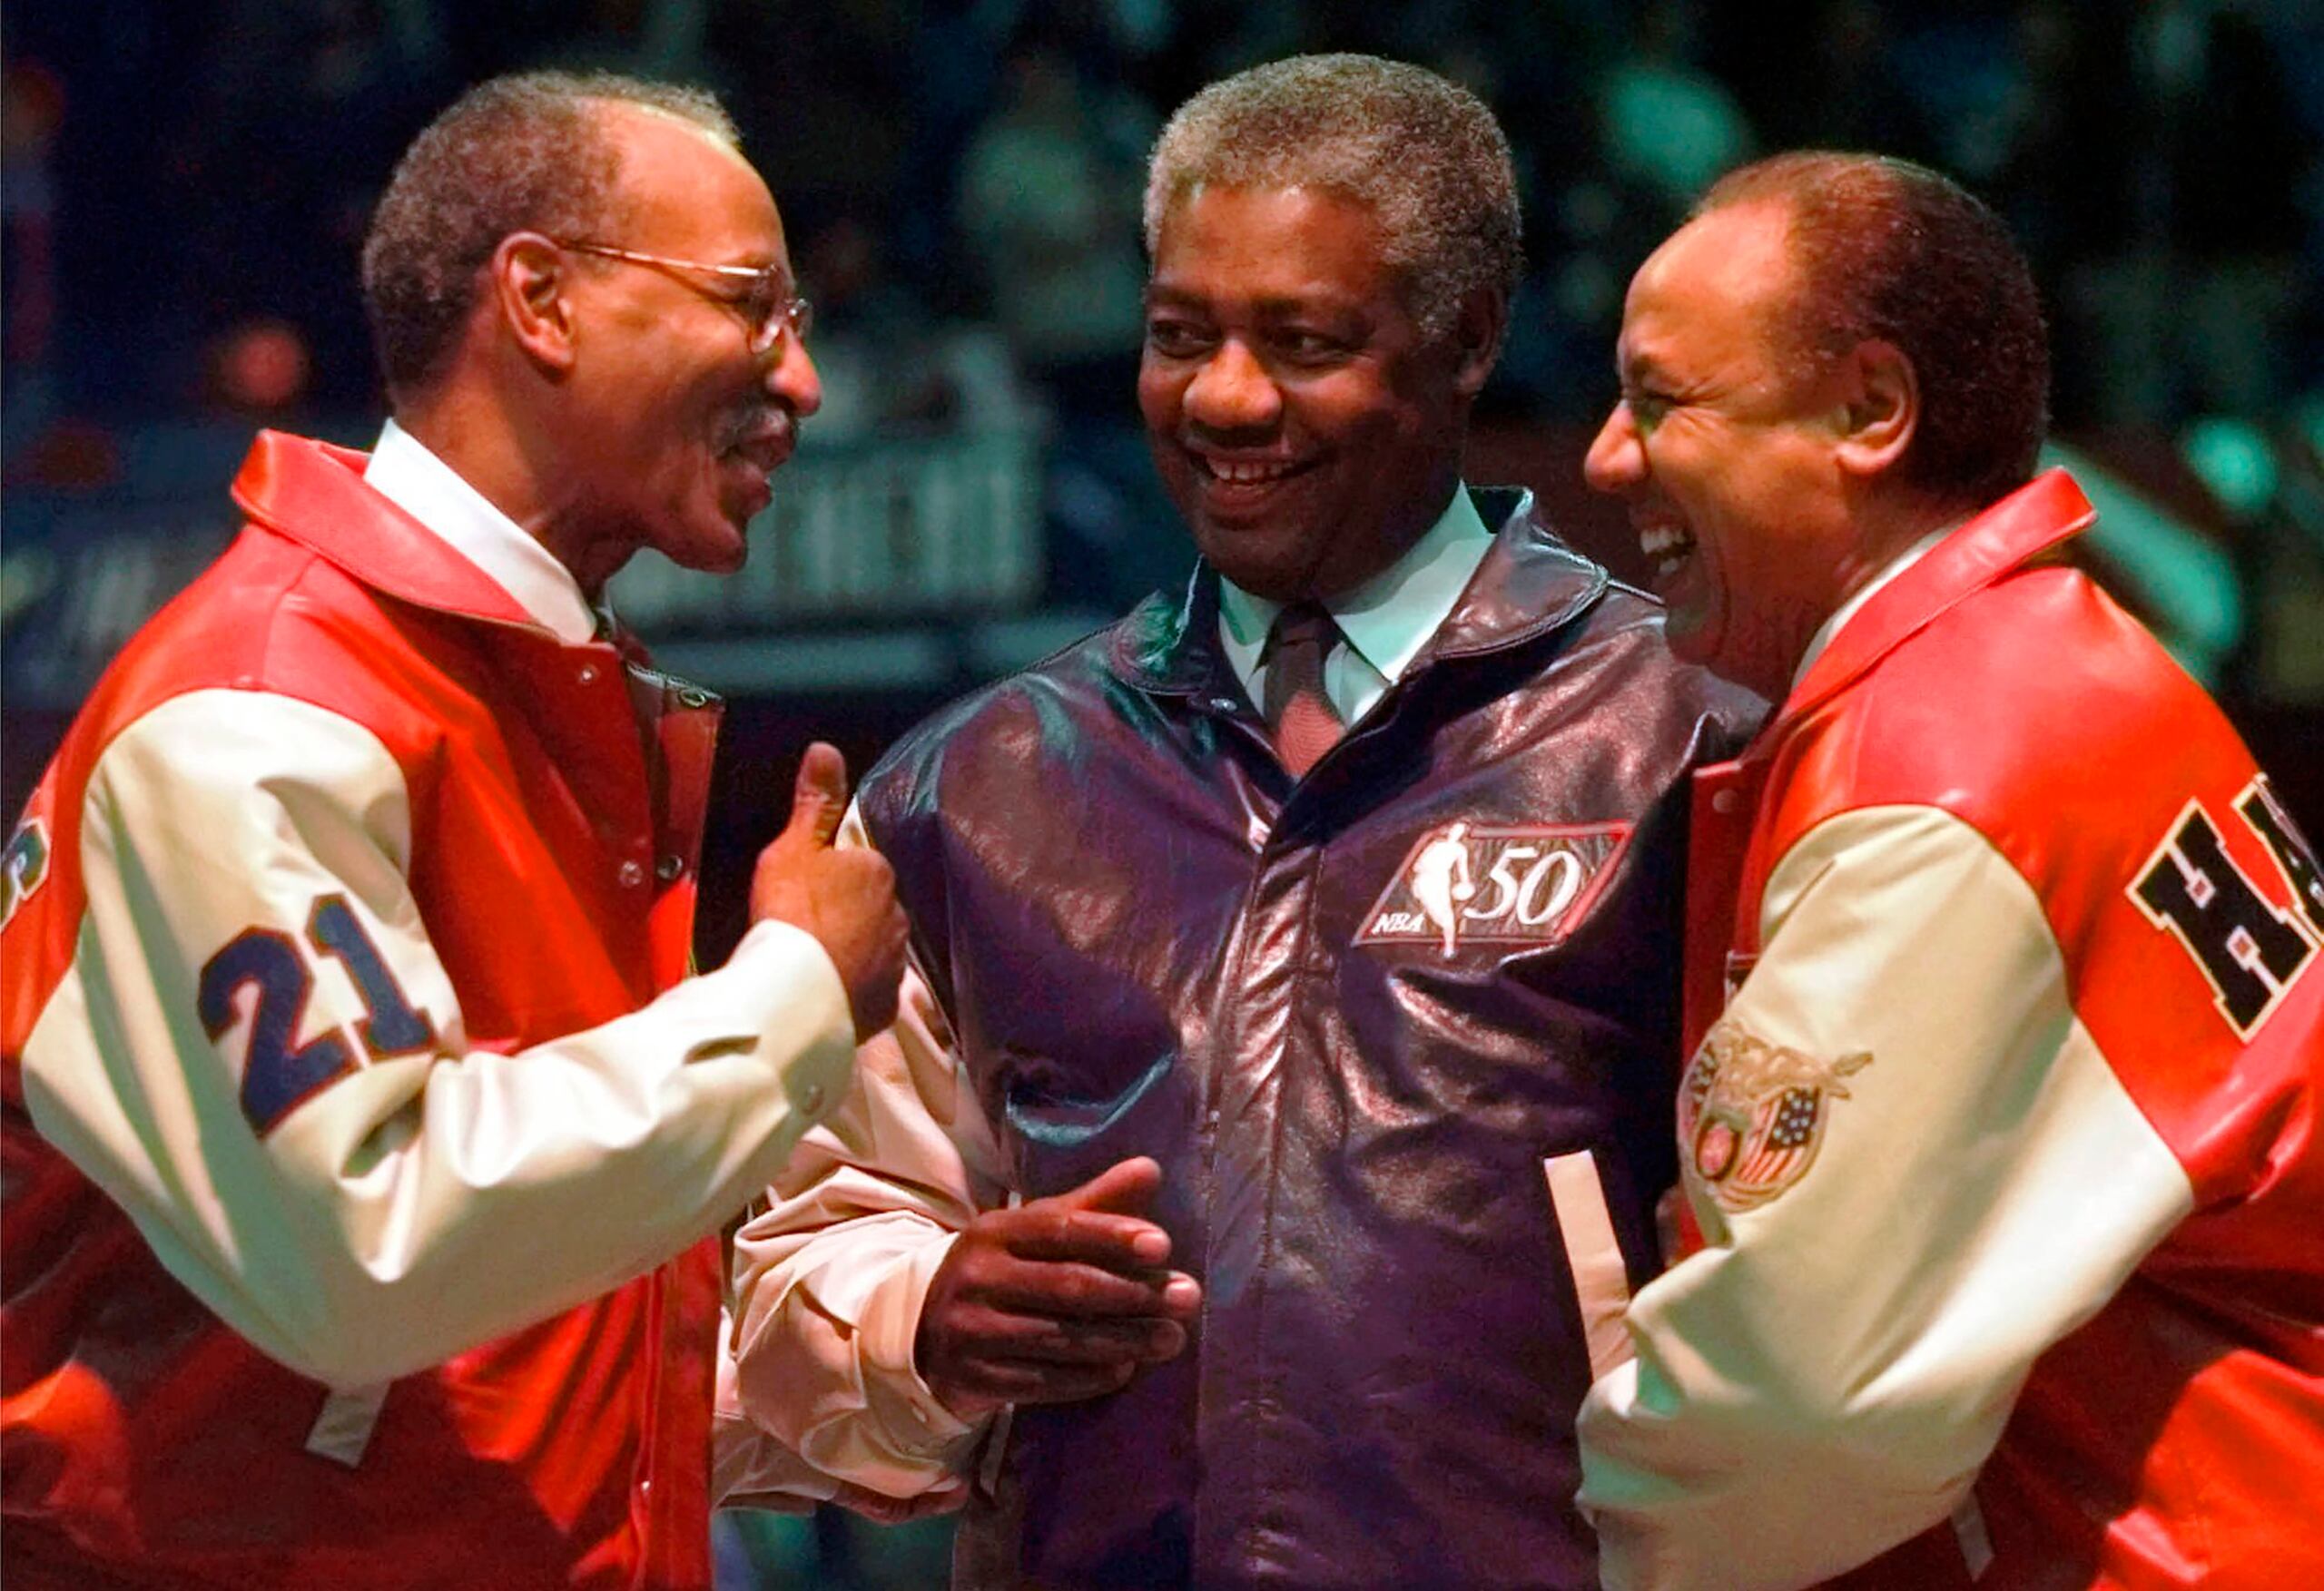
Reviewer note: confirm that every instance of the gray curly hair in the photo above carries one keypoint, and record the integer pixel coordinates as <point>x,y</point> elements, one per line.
<point>1424,154</point>
<point>524,151</point>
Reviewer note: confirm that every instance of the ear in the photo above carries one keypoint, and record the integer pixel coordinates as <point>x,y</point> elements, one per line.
<point>1880,408</point>
<point>527,276</point>
<point>1477,333</point>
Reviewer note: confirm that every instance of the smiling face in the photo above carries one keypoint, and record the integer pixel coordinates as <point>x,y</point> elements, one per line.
<point>673,424</point>
<point>1728,454</point>
<point>1305,428</point>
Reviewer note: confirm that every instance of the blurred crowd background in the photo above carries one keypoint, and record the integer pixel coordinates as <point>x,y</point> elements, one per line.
<point>185,186</point>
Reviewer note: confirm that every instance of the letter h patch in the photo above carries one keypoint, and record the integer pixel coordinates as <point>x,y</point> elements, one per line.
<point>2249,949</point>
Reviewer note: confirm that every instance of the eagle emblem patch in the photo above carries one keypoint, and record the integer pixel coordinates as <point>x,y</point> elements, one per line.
<point>1751,1114</point>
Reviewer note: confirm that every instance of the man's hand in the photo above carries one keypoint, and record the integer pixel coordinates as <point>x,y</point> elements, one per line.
<point>1060,1299</point>
<point>846,898</point>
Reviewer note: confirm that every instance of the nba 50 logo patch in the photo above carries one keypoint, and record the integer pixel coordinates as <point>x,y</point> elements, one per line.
<point>1477,883</point>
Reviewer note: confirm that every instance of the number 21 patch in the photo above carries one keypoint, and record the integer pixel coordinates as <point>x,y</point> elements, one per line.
<point>279,1072</point>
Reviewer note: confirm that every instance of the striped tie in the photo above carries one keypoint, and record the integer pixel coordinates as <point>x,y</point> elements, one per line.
<point>1305,724</point>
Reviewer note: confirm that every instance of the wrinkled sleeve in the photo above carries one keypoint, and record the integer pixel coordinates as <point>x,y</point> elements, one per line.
<point>829,1276</point>
<point>1825,1378</point>
<point>257,1053</point>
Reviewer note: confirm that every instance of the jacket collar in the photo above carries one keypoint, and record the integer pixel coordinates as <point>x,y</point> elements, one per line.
<point>313,493</point>
<point>1530,584</point>
<point>2041,514</point>
<point>408,472</point>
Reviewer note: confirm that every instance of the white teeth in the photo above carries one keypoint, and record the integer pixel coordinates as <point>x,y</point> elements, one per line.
<point>1666,547</point>
<point>1239,473</point>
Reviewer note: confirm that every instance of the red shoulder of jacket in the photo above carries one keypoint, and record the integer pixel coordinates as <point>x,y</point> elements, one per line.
<point>2184,903</point>
<point>2008,689</point>
<point>269,616</point>
<point>293,607</point>
<point>2025,704</point>
<point>315,494</point>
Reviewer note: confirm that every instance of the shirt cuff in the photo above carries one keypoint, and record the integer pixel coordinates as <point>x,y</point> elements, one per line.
<point>904,1405</point>
<point>800,998</point>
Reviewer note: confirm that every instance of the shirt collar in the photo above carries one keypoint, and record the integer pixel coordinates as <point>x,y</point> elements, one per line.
<point>1850,608</point>
<point>404,471</point>
<point>1389,617</point>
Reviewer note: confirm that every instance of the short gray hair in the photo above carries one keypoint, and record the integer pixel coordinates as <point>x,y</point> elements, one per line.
<point>1421,153</point>
<point>525,152</point>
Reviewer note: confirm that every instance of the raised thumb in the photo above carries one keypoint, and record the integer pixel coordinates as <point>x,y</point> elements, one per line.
<point>818,796</point>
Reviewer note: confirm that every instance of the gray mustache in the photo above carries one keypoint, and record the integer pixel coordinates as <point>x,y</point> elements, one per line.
<point>775,419</point>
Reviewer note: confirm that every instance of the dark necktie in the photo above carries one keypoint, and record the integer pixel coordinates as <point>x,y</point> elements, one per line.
<point>1303,722</point>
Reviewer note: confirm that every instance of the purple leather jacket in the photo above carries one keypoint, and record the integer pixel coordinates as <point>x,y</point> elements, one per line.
<point>1354,1017</point>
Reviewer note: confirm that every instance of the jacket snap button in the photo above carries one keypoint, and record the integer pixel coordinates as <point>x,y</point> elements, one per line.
<point>588,674</point>
<point>1724,802</point>
<point>632,874</point>
<point>668,869</point>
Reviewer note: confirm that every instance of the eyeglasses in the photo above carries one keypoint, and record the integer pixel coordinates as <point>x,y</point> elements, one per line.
<point>767,303</point>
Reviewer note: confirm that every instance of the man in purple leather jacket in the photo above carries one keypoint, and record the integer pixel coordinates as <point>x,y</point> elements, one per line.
<point>1272,1135</point>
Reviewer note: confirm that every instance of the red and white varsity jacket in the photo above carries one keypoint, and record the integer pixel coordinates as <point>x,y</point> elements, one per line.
<point>364,1140</point>
<point>2006,1149</point>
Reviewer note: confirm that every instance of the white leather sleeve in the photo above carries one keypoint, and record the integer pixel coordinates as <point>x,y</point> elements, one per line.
<point>1825,1378</point>
<point>417,1204</point>
<point>831,1276</point>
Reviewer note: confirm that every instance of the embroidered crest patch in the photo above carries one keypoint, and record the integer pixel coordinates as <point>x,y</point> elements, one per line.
<point>1474,882</point>
<point>1751,1114</point>
<point>24,865</point>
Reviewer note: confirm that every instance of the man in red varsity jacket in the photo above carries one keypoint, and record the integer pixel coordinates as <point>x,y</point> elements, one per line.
<point>2004,1146</point>
<point>365,1142</point>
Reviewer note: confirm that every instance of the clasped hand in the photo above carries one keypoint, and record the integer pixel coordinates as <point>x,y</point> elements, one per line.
<point>1057,1300</point>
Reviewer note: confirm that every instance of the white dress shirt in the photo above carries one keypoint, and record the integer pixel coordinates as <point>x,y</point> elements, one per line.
<point>1384,622</point>
<point>406,473</point>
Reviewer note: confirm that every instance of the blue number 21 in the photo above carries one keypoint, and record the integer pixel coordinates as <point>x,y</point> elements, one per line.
<point>280,1071</point>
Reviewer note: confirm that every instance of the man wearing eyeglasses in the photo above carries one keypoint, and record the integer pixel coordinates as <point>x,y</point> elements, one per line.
<point>364,1140</point>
